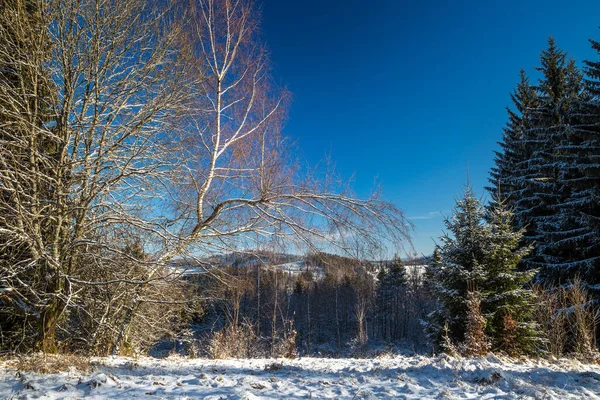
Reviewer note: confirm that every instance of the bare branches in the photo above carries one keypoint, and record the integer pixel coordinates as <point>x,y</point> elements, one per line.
<point>243,183</point>
<point>88,98</point>
<point>133,132</point>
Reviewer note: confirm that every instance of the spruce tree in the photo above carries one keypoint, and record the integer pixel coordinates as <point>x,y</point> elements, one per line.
<point>515,167</point>
<point>476,281</point>
<point>537,167</point>
<point>391,299</point>
<point>460,269</point>
<point>557,90</point>
<point>509,173</point>
<point>476,341</point>
<point>574,244</point>
<point>396,276</point>
<point>398,281</point>
<point>508,305</point>
<point>382,303</point>
<point>561,92</point>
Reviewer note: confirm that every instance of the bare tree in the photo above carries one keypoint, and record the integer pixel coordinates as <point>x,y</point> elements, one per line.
<point>243,184</point>
<point>97,153</point>
<point>26,167</point>
<point>160,136</point>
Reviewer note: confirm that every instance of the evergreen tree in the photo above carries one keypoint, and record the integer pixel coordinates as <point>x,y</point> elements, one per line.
<point>515,167</point>
<point>508,305</point>
<point>481,292</point>
<point>508,176</point>
<point>396,276</point>
<point>573,246</point>
<point>381,303</point>
<point>430,270</point>
<point>557,91</point>
<point>391,300</point>
<point>460,269</point>
<point>537,170</point>
<point>561,93</point>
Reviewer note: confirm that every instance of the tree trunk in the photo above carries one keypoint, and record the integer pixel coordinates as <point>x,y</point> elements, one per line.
<point>50,316</point>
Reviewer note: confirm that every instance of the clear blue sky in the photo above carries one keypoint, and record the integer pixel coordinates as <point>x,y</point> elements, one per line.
<point>413,93</point>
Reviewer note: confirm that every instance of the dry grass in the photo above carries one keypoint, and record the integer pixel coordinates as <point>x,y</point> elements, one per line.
<point>236,342</point>
<point>50,363</point>
<point>241,341</point>
<point>568,319</point>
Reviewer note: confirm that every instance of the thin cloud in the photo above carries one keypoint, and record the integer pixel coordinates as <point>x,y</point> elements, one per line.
<point>429,215</point>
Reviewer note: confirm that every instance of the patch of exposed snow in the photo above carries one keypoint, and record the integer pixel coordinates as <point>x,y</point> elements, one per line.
<point>404,377</point>
<point>298,267</point>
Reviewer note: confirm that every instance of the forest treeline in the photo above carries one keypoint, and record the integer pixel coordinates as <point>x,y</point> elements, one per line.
<point>331,305</point>
<point>138,136</point>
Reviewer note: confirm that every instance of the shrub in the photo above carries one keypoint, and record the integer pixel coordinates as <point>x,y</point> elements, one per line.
<point>236,341</point>
<point>568,318</point>
<point>476,341</point>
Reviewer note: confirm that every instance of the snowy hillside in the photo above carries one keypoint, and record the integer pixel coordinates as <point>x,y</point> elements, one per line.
<point>397,377</point>
<point>289,263</point>
<point>298,267</point>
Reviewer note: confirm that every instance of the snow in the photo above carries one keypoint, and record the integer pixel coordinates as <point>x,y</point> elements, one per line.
<point>400,377</point>
<point>298,267</point>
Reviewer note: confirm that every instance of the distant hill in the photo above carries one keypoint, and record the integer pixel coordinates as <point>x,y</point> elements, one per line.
<point>318,264</point>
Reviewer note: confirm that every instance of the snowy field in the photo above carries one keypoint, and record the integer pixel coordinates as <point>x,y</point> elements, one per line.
<point>395,377</point>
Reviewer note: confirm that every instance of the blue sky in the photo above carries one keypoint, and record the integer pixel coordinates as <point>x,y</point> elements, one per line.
<point>413,94</point>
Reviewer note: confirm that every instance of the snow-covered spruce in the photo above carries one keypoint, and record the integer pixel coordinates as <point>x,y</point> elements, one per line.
<point>474,276</point>
<point>549,167</point>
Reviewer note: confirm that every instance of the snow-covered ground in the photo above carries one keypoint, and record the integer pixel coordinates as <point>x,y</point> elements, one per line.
<point>397,377</point>
<point>298,267</point>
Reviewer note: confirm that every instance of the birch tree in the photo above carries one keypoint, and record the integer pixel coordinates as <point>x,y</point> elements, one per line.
<point>164,139</point>
<point>243,182</point>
